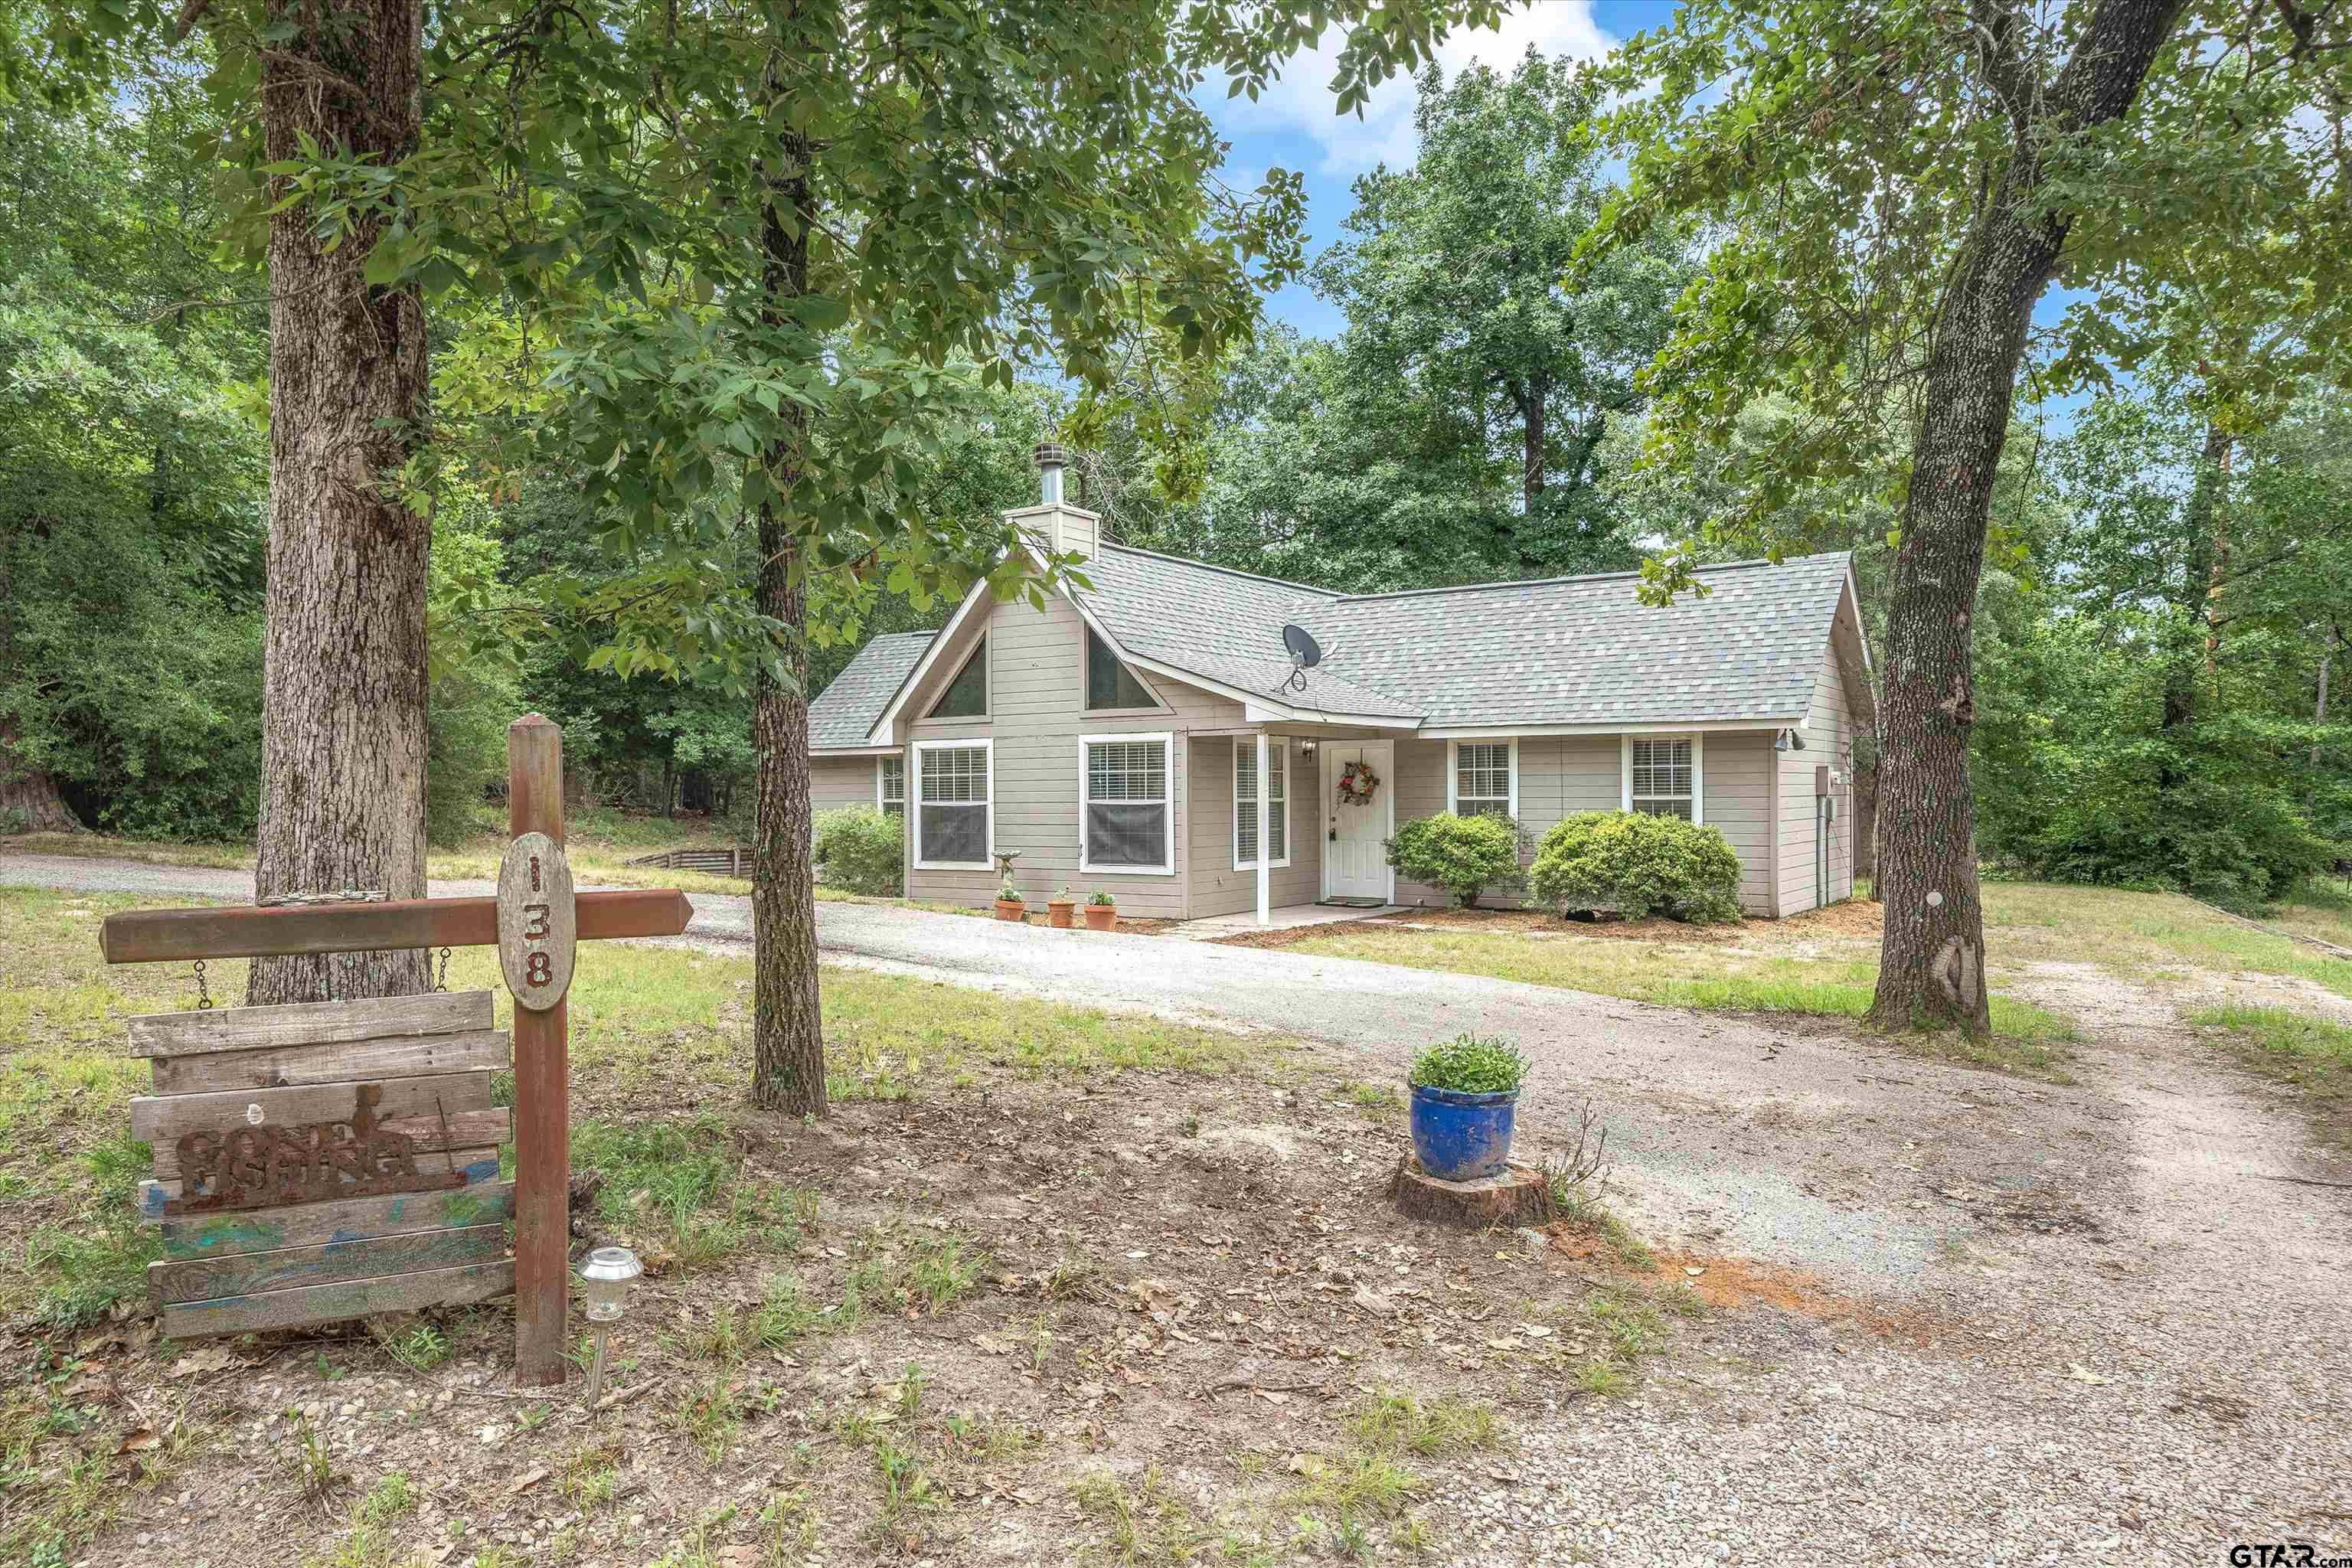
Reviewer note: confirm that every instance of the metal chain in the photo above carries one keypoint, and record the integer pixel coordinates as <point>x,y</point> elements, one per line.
<point>204,993</point>
<point>442,982</point>
<point>348,896</point>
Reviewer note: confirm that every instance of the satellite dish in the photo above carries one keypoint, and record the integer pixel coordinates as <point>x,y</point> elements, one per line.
<point>1303,651</point>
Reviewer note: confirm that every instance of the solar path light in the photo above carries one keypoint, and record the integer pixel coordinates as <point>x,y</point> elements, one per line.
<point>605,1279</point>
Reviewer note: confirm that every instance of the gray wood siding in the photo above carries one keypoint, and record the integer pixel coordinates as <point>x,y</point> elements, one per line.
<point>836,782</point>
<point>1739,786</point>
<point>1828,741</point>
<point>1217,887</point>
<point>1036,688</point>
<point>1419,786</point>
<point>1563,775</point>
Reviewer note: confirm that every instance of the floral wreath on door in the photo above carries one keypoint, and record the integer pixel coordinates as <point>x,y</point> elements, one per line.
<point>1356,782</point>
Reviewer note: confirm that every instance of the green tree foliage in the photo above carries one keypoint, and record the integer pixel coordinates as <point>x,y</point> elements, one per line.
<point>1459,331</point>
<point>1637,865</point>
<point>2150,682</point>
<point>130,533</point>
<point>1464,855</point>
<point>1456,430</point>
<point>1891,189</point>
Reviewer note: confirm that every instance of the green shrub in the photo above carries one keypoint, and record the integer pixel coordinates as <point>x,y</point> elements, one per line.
<point>860,850</point>
<point>1464,855</point>
<point>1469,1065</point>
<point>1638,865</point>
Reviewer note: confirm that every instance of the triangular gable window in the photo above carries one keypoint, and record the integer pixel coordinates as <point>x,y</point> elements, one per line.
<point>967,695</point>
<point>1110,683</point>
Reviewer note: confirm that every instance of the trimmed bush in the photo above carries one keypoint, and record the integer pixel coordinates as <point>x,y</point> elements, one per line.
<point>859,850</point>
<point>1463,855</point>
<point>1639,866</point>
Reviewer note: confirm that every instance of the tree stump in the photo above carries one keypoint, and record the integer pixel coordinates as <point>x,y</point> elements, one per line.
<point>1520,1196</point>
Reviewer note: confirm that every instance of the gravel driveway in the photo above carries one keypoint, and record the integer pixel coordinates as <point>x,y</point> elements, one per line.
<point>2099,1323</point>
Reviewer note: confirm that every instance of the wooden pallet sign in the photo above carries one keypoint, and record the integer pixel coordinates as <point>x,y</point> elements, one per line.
<point>319,1160</point>
<point>327,1159</point>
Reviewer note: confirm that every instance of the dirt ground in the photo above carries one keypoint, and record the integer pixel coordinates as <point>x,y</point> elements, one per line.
<point>1148,1317</point>
<point>1156,1280</point>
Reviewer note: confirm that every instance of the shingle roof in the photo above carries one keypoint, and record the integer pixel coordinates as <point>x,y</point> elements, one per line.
<point>1223,625</point>
<point>845,711</point>
<point>1566,650</point>
<point>1585,651</point>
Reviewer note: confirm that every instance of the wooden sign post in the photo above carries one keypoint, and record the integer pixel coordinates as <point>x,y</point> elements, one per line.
<point>298,1133</point>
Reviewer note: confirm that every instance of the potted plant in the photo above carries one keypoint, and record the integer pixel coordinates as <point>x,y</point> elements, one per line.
<point>1464,1094</point>
<point>1010,904</point>
<point>1102,913</point>
<point>1060,908</point>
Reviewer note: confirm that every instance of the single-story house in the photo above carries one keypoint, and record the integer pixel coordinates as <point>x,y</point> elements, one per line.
<point>1133,735</point>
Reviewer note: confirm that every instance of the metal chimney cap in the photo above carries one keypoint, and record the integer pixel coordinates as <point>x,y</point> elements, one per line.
<point>1053,455</point>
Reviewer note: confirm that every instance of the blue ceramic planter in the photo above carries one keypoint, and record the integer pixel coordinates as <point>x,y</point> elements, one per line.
<point>1462,1137</point>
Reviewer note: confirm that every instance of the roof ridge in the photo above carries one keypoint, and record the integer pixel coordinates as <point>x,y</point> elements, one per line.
<point>1586,577</point>
<point>1228,571</point>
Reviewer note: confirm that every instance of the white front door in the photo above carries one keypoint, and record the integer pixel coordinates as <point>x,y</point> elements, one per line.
<point>1355,859</point>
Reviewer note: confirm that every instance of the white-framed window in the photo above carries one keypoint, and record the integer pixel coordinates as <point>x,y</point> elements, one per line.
<point>955,806</point>
<point>1483,778</point>
<point>1278,801</point>
<point>890,785</point>
<point>1127,818</point>
<point>1665,775</point>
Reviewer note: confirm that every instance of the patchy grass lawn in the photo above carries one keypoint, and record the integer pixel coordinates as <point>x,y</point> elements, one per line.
<point>2149,936</point>
<point>1043,1282</point>
<point>1757,967</point>
<point>2313,1054</point>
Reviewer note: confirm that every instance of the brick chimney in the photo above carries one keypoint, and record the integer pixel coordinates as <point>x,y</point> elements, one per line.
<point>1060,527</point>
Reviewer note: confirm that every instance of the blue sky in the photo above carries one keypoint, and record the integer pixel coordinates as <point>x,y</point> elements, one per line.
<point>1292,126</point>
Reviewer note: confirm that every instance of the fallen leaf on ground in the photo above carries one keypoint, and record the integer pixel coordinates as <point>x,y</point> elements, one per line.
<point>2081,1374</point>
<point>138,1441</point>
<point>527,1481</point>
<point>212,1358</point>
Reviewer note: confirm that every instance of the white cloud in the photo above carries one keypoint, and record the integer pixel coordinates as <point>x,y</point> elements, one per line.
<point>1300,101</point>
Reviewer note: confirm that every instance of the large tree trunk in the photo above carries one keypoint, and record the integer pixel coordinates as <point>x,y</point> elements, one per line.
<point>787,1037</point>
<point>31,792</point>
<point>343,686</point>
<point>1931,958</point>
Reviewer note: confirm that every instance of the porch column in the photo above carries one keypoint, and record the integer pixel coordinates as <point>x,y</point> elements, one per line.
<point>1265,839</point>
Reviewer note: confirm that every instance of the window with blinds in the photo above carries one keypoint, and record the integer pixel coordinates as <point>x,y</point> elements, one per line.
<point>1663,775</point>
<point>1125,822</point>
<point>1482,778</point>
<point>890,785</point>
<point>953,826</point>
<point>1278,798</point>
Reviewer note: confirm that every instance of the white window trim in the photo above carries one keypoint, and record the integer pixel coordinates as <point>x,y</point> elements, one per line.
<point>1698,771</point>
<point>881,799</point>
<point>1275,746</point>
<point>1167,867</point>
<point>915,803</point>
<point>1454,775</point>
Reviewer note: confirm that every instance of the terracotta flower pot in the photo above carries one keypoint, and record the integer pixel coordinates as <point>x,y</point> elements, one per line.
<point>1058,912</point>
<point>1102,917</point>
<point>1012,909</point>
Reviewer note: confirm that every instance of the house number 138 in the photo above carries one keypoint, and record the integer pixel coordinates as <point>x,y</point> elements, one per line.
<point>537,921</point>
